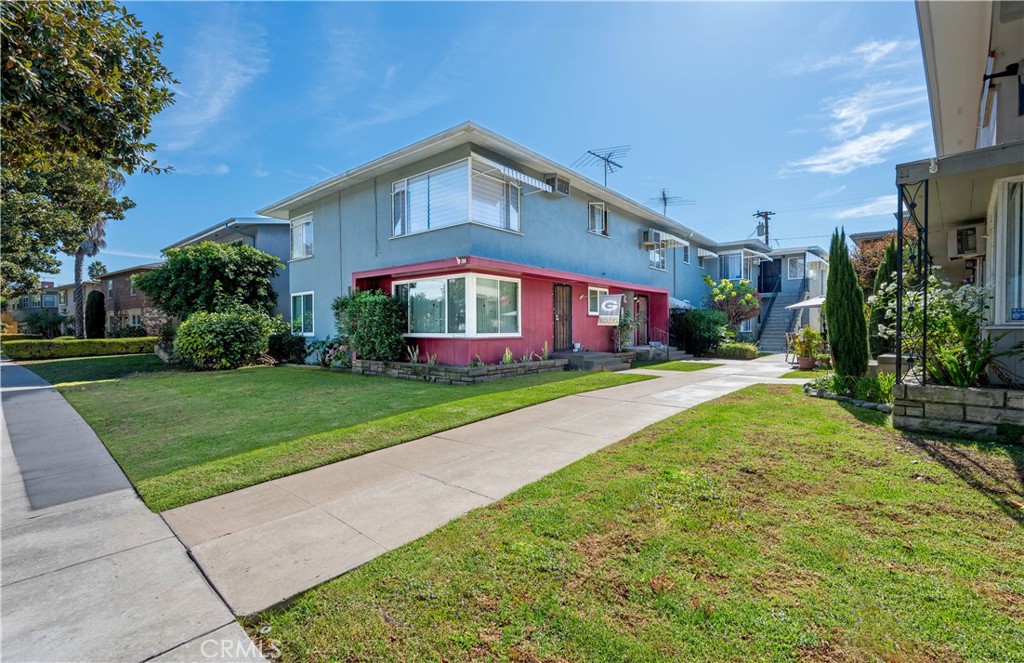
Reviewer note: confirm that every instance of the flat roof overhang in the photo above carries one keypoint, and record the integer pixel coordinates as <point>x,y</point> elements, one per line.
<point>498,268</point>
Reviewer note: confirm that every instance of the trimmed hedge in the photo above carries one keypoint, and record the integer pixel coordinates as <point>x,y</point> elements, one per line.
<point>735,350</point>
<point>91,347</point>
<point>19,337</point>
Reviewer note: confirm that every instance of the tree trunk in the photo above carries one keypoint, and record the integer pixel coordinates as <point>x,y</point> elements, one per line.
<point>79,295</point>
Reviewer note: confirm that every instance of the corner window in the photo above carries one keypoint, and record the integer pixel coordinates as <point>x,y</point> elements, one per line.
<point>302,238</point>
<point>598,219</point>
<point>656,258</point>
<point>302,314</point>
<point>495,201</point>
<point>794,269</point>
<point>463,305</point>
<point>594,300</point>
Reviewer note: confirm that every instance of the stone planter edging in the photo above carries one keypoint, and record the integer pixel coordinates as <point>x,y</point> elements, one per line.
<point>454,374</point>
<point>974,413</point>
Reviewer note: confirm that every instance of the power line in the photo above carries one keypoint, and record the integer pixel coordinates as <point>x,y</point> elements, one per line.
<point>765,216</point>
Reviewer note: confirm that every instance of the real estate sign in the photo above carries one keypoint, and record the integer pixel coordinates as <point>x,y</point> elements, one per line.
<point>608,310</point>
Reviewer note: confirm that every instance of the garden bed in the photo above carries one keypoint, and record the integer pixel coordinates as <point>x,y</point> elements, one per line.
<point>975,413</point>
<point>457,375</point>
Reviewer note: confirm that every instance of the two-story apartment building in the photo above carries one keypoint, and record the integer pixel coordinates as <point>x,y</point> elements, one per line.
<point>490,246</point>
<point>43,300</point>
<point>966,202</point>
<point>125,304</point>
<point>266,234</point>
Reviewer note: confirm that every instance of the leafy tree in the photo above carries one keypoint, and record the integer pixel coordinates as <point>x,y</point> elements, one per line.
<point>844,312</point>
<point>96,269</point>
<point>887,268</point>
<point>207,275</point>
<point>81,82</point>
<point>95,314</point>
<point>739,301</point>
<point>373,323</point>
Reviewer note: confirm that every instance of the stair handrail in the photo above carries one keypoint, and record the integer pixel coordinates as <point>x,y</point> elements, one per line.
<point>660,336</point>
<point>768,309</point>
<point>794,318</point>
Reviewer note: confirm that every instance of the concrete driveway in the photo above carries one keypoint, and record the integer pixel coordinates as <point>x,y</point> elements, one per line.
<point>264,544</point>
<point>88,572</point>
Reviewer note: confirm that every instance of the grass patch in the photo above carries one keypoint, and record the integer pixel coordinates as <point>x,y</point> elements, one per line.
<point>798,374</point>
<point>183,436</point>
<point>685,366</point>
<point>761,526</point>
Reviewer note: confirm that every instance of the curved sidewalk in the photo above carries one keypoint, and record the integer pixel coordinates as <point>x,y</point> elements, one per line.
<point>266,543</point>
<point>88,572</point>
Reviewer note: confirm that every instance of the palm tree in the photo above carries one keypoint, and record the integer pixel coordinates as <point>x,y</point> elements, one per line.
<point>94,242</point>
<point>95,270</point>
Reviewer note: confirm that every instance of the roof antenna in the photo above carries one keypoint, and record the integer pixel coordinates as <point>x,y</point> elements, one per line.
<point>607,156</point>
<point>665,200</point>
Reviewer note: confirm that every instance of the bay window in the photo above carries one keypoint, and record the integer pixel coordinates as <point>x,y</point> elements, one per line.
<point>471,190</point>
<point>463,305</point>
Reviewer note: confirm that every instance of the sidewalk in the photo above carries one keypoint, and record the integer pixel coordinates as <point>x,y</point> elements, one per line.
<point>87,571</point>
<point>266,543</point>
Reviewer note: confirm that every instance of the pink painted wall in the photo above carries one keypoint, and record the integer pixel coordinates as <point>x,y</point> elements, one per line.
<point>537,301</point>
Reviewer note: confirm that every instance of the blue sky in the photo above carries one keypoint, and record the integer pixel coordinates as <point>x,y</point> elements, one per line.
<point>800,108</point>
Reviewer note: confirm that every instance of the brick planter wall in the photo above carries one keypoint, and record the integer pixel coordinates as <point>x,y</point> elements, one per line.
<point>454,374</point>
<point>972,413</point>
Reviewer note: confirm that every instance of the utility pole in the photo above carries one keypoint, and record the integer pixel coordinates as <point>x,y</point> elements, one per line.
<point>765,216</point>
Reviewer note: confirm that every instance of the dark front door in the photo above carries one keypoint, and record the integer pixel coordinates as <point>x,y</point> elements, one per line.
<point>563,317</point>
<point>642,330</point>
<point>770,276</point>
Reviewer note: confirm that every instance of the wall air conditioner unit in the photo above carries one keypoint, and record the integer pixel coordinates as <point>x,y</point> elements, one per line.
<point>966,241</point>
<point>650,239</point>
<point>559,186</point>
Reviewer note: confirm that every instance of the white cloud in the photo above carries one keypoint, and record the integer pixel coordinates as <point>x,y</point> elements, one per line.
<point>864,150</point>
<point>868,57</point>
<point>203,169</point>
<point>851,113</point>
<point>877,206</point>
<point>828,193</point>
<point>226,55</point>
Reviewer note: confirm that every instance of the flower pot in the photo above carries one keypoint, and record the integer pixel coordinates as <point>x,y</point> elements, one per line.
<point>806,363</point>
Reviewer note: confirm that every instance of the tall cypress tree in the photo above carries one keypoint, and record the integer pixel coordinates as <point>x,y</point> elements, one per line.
<point>844,311</point>
<point>889,264</point>
<point>95,314</point>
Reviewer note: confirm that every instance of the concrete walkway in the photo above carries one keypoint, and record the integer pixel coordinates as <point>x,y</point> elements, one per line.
<point>89,573</point>
<point>264,544</point>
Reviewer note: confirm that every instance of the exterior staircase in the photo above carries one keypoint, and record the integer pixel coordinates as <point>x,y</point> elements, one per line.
<point>596,361</point>
<point>780,322</point>
<point>664,352</point>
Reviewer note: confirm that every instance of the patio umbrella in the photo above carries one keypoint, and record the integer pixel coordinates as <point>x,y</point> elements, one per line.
<point>813,302</point>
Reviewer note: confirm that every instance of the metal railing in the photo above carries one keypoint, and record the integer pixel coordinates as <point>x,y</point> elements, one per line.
<point>766,313</point>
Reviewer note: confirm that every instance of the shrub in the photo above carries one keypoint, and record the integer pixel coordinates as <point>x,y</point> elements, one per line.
<point>808,343</point>
<point>225,339</point>
<point>45,323</point>
<point>699,329</point>
<point>735,350</point>
<point>93,347</point>
<point>887,271</point>
<point>127,331</point>
<point>622,333</point>
<point>372,323</point>
<point>328,352</point>
<point>844,312</point>
<point>19,337</point>
<point>95,314</point>
<point>739,301</point>
<point>287,347</point>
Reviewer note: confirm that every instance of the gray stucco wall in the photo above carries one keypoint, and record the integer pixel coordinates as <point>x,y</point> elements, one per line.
<point>274,240</point>
<point>352,233</point>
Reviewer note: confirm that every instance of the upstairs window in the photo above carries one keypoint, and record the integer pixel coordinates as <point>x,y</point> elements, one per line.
<point>731,266</point>
<point>657,258</point>
<point>302,238</point>
<point>110,287</point>
<point>495,201</point>
<point>686,253</point>
<point>598,219</point>
<point>795,269</point>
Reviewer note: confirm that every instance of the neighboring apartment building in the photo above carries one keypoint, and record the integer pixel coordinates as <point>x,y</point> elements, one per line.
<point>126,305</point>
<point>969,200</point>
<point>66,300</point>
<point>266,234</point>
<point>45,299</point>
<point>490,245</point>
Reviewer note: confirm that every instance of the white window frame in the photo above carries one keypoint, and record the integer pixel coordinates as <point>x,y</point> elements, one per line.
<point>656,256</point>
<point>789,268</point>
<point>110,287</point>
<point>686,253</point>
<point>600,291</point>
<point>999,252</point>
<point>604,231</point>
<point>312,317</point>
<point>131,286</point>
<point>305,219</point>
<point>747,326</point>
<point>471,278</point>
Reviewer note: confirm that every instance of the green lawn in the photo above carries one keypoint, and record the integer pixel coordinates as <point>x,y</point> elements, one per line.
<point>685,366</point>
<point>798,374</point>
<point>183,436</point>
<point>762,526</point>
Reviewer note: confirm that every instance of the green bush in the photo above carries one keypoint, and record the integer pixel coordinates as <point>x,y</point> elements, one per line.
<point>95,314</point>
<point>225,339</point>
<point>844,312</point>
<point>19,337</point>
<point>699,329</point>
<point>371,323</point>
<point>93,347</point>
<point>287,347</point>
<point>735,350</point>
<point>127,331</point>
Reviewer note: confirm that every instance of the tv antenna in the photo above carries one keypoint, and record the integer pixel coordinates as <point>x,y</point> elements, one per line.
<point>666,200</point>
<point>608,157</point>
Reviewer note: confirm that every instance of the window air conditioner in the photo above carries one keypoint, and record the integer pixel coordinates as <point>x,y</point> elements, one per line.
<point>649,239</point>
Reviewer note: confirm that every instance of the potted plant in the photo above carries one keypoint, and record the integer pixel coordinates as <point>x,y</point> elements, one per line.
<point>825,360</point>
<point>808,345</point>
